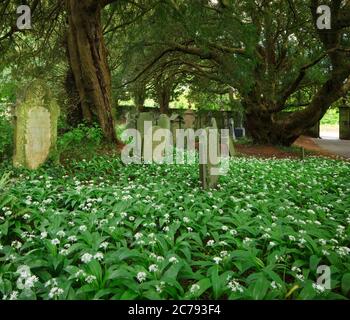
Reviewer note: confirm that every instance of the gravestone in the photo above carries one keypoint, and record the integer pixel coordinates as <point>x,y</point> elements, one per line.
<point>140,126</point>
<point>131,120</point>
<point>240,132</point>
<point>164,122</point>
<point>208,172</point>
<point>176,123</point>
<point>143,116</point>
<point>189,119</point>
<point>36,116</point>
<point>214,124</point>
<point>232,129</point>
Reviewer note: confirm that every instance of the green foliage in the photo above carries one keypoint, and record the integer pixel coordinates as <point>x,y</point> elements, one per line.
<point>6,137</point>
<point>331,117</point>
<point>100,230</point>
<point>80,141</point>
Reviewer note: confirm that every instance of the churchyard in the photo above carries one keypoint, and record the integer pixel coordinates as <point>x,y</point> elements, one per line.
<point>179,165</point>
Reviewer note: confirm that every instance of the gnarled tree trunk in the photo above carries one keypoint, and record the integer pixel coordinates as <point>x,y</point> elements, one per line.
<point>270,126</point>
<point>163,97</point>
<point>88,61</point>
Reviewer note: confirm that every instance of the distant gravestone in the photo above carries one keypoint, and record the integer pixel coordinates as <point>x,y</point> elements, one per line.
<point>161,139</point>
<point>131,120</point>
<point>143,117</point>
<point>164,122</point>
<point>36,116</point>
<point>232,129</point>
<point>176,123</point>
<point>189,119</point>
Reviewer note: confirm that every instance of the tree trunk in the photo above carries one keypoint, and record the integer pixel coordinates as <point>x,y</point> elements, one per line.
<point>88,61</point>
<point>264,130</point>
<point>283,128</point>
<point>139,95</point>
<point>73,108</point>
<point>163,97</point>
<point>164,104</point>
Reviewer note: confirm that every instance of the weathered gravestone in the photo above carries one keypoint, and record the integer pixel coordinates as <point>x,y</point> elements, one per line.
<point>209,171</point>
<point>189,119</point>
<point>164,122</point>
<point>232,129</point>
<point>143,119</point>
<point>36,116</point>
<point>161,135</point>
<point>131,120</point>
<point>176,122</point>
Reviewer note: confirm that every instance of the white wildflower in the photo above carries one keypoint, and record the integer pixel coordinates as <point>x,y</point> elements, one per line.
<point>86,257</point>
<point>141,276</point>
<point>153,268</point>
<point>173,260</point>
<point>217,260</point>
<point>55,241</point>
<point>210,243</point>
<point>194,288</point>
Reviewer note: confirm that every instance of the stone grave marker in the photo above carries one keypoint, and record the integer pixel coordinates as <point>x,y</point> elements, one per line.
<point>36,116</point>
<point>189,119</point>
<point>208,172</point>
<point>164,122</point>
<point>232,129</point>
<point>131,120</point>
<point>176,123</point>
<point>140,126</point>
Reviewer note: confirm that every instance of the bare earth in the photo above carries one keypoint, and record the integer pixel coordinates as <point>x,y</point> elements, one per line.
<point>309,144</point>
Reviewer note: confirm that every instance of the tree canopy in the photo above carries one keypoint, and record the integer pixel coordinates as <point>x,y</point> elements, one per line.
<point>267,57</point>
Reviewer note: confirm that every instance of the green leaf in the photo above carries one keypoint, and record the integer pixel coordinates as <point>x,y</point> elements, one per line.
<point>119,274</point>
<point>345,283</point>
<point>314,261</point>
<point>171,274</point>
<point>204,285</point>
<point>4,228</point>
<point>260,287</point>
<point>94,268</point>
<point>129,295</point>
<point>216,282</point>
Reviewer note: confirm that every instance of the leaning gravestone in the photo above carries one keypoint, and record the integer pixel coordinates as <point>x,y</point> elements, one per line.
<point>209,171</point>
<point>36,116</point>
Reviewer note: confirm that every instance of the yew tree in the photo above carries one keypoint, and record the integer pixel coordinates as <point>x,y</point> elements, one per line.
<point>64,30</point>
<point>88,61</point>
<point>286,70</point>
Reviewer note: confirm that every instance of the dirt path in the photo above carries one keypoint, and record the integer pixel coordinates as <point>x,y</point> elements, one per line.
<point>339,147</point>
<point>268,151</point>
